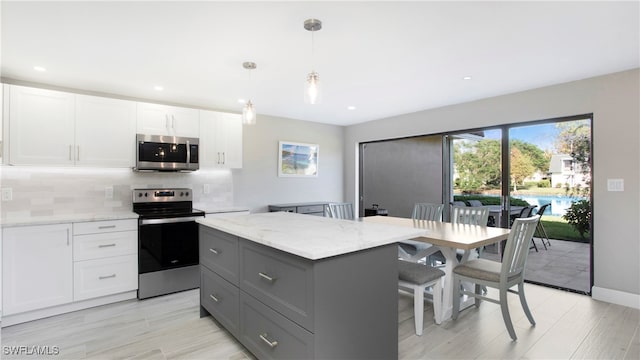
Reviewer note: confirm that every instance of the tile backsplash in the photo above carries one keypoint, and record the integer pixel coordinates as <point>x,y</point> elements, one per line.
<point>40,191</point>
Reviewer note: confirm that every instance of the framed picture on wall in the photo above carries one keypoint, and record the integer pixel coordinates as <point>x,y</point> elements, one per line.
<point>297,159</point>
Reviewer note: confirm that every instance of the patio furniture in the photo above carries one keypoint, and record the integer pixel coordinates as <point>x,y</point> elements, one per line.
<point>501,276</point>
<point>540,230</point>
<point>475,203</point>
<point>418,277</point>
<point>341,211</point>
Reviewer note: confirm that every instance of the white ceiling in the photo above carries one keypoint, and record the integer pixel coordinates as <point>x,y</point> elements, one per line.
<point>384,58</point>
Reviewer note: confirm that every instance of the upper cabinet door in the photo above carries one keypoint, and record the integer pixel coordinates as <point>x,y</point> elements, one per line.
<point>41,124</point>
<point>220,140</point>
<point>105,132</point>
<point>229,136</point>
<point>155,119</point>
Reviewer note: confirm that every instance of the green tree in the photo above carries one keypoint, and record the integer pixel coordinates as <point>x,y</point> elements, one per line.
<point>538,158</point>
<point>521,167</point>
<point>574,138</point>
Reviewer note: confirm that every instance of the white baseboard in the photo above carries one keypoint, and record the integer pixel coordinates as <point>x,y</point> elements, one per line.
<point>616,297</point>
<point>9,320</point>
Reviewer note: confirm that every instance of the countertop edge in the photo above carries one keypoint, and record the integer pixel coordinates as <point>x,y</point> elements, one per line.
<point>67,218</point>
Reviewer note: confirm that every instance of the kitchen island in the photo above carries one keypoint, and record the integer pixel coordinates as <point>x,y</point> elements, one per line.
<point>297,286</point>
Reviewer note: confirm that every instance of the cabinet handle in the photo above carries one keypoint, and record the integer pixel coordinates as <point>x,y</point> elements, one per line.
<point>106,245</point>
<point>218,162</point>
<point>173,122</point>
<point>214,251</point>
<point>70,152</point>
<point>67,237</point>
<point>78,157</point>
<point>214,298</point>
<point>224,158</point>
<point>271,344</point>
<point>266,277</point>
<point>106,277</point>
<point>166,121</point>
<point>106,227</point>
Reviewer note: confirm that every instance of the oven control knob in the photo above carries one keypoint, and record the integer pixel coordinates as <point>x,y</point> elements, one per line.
<point>181,193</point>
<point>146,194</point>
<point>187,193</point>
<point>139,194</point>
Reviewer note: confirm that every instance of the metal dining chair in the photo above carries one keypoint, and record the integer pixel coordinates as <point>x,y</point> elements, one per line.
<point>501,276</point>
<point>540,230</point>
<point>341,211</point>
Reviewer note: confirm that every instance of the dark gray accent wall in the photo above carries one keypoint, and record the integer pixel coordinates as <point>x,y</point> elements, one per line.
<point>399,173</point>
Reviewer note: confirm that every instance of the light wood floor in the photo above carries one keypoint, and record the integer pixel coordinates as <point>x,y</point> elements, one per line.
<point>568,326</point>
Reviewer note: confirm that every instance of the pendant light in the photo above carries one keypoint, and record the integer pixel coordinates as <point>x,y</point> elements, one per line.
<point>312,93</point>
<point>248,111</point>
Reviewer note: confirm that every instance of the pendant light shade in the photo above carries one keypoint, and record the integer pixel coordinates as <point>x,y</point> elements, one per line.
<point>248,114</point>
<point>312,91</point>
<point>248,111</point>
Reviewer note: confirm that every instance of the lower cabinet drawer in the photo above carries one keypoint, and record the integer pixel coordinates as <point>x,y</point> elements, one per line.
<point>96,246</point>
<point>270,335</point>
<point>280,280</point>
<point>221,299</point>
<point>219,252</point>
<point>94,278</point>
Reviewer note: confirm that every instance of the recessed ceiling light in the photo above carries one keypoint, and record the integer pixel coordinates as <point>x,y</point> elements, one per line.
<point>242,101</point>
<point>351,107</point>
<point>158,88</point>
<point>466,78</point>
<point>39,68</point>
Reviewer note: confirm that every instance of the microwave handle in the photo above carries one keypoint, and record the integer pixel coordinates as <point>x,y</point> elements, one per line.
<point>188,153</point>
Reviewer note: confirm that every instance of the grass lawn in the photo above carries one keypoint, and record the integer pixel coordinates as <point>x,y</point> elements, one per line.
<point>558,228</point>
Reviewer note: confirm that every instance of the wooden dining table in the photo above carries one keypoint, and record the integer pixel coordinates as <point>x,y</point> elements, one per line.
<point>448,237</point>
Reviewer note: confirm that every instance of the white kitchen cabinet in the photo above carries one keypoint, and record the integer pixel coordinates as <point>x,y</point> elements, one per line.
<point>105,132</point>
<point>57,128</point>
<point>37,267</point>
<point>41,126</point>
<point>156,119</point>
<point>105,255</point>
<point>220,140</point>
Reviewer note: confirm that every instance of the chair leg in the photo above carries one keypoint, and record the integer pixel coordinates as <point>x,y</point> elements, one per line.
<point>533,245</point>
<point>479,292</point>
<point>543,232</point>
<point>456,297</point>
<point>418,307</point>
<point>523,301</point>
<point>437,301</point>
<point>505,312</point>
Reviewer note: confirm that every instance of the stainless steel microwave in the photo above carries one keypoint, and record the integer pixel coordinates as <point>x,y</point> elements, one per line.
<point>166,153</point>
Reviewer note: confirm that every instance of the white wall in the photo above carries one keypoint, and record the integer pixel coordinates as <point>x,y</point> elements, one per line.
<point>257,184</point>
<point>614,101</point>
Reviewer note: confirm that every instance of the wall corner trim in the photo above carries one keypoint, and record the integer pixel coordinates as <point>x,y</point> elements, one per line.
<point>616,297</point>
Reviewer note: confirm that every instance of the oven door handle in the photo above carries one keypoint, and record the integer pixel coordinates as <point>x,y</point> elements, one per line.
<point>169,220</point>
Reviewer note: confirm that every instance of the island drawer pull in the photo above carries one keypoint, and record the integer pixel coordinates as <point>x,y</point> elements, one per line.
<point>214,298</point>
<point>106,245</point>
<point>106,227</point>
<point>271,344</point>
<point>106,277</point>
<point>215,251</point>
<point>266,277</point>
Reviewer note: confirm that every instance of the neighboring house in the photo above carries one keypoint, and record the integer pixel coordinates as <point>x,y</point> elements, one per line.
<point>564,170</point>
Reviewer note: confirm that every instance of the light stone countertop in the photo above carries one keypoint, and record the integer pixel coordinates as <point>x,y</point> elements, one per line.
<point>311,237</point>
<point>66,218</point>
<point>213,209</point>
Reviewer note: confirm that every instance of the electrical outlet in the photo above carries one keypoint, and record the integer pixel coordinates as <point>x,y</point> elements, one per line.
<point>615,184</point>
<point>206,189</point>
<point>108,192</point>
<point>7,194</point>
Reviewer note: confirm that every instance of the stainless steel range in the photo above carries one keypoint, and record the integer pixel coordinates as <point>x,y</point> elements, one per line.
<point>167,241</point>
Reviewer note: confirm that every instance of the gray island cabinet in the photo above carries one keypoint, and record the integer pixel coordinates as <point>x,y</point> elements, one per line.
<point>290,286</point>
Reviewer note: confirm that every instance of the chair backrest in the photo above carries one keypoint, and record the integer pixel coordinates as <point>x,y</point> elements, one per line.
<point>458,203</point>
<point>542,209</point>
<point>469,215</point>
<point>427,211</point>
<point>475,203</point>
<point>517,249</point>
<point>341,211</point>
